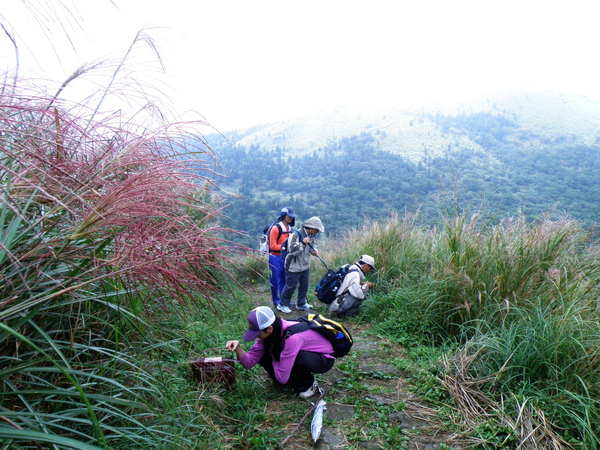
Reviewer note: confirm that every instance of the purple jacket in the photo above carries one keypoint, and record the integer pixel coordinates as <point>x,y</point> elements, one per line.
<point>308,340</point>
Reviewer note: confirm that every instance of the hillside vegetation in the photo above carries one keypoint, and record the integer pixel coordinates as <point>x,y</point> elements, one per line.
<point>517,155</point>
<point>411,132</point>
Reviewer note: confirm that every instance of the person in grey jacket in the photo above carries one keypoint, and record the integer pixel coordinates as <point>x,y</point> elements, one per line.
<point>353,289</point>
<point>302,245</point>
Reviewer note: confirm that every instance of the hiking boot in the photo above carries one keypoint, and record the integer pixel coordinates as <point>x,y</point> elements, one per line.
<point>284,309</point>
<point>304,307</point>
<point>309,392</point>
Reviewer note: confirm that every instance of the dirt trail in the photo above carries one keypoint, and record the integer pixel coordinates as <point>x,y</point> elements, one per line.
<point>373,407</point>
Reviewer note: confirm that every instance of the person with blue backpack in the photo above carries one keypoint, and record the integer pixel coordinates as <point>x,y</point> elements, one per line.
<point>300,246</point>
<point>353,289</point>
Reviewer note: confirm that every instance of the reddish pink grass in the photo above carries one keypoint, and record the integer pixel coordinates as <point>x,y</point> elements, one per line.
<point>147,193</point>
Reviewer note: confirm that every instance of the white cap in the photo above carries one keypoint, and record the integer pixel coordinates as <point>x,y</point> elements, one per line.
<point>258,319</point>
<point>366,259</point>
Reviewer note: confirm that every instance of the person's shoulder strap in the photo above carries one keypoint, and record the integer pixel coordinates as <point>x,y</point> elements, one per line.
<point>349,268</point>
<point>301,325</point>
<point>299,234</point>
<point>279,229</point>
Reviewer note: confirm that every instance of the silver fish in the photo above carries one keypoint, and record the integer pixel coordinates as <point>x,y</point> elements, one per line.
<point>317,421</point>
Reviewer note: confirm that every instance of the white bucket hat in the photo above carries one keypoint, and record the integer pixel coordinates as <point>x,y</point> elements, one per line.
<point>315,223</point>
<point>366,259</point>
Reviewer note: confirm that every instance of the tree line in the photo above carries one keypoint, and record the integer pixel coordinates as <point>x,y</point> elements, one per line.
<point>351,179</point>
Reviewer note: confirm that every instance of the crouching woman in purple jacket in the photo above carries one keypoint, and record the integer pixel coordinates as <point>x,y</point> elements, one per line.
<point>291,361</point>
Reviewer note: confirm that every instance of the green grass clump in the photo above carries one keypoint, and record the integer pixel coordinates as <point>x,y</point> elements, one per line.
<point>519,301</point>
<point>399,247</point>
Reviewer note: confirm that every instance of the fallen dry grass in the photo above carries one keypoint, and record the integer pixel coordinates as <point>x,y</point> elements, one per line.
<point>532,431</point>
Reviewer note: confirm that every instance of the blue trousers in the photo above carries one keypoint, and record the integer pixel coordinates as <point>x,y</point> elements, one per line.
<point>277,280</point>
<point>292,280</point>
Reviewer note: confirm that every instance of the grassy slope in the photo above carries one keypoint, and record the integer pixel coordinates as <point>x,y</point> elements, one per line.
<point>411,134</point>
<point>494,323</point>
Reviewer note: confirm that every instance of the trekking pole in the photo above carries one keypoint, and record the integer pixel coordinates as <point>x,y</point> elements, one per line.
<point>317,255</point>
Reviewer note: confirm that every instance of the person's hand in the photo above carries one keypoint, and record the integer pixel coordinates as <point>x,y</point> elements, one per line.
<point>232,345</point>
<point>306,240</point>
<point>369,284</point>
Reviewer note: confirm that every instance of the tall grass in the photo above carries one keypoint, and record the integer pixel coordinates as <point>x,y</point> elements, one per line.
<point>520,298</point>
<point>400,249</point>
<point>108,227</point>
<point>483,271</point>
<point>100,225</point>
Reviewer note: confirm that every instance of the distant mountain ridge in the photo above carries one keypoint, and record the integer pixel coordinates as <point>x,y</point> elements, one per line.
<point>414,134</point>
<point>517,153</point>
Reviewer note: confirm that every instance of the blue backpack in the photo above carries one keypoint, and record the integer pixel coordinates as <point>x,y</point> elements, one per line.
<point>327,288</point>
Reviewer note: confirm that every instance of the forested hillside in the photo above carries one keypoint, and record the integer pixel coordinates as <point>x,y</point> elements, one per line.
<point>508,168</point>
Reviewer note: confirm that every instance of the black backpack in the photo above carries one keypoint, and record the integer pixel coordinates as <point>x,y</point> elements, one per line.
<point>327,288</point>
<point>340,338</point>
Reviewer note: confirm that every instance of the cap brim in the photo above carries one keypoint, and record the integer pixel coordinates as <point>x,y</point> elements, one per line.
<point>250,335</point>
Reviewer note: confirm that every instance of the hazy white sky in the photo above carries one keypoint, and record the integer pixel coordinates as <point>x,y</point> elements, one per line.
<point>241,62</point>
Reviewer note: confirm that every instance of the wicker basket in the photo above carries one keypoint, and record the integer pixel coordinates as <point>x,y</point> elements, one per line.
<point>214,370</point>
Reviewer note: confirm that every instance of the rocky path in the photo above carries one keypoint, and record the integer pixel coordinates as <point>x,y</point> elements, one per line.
<point>370,404</point>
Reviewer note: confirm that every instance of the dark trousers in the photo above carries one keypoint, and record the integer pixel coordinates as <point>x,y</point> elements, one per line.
<point>307,363</point>
<point>349,307</point>
<point>291,280</point>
